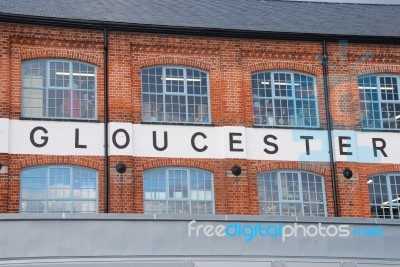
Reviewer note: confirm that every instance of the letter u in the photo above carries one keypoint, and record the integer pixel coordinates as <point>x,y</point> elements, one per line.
<point>156,147</point>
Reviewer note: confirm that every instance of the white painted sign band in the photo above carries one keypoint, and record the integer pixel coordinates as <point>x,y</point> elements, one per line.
<point>148,140</point>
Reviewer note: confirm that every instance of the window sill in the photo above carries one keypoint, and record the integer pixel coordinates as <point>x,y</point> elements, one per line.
<point>177,123</point>
<point>57,119</point>
<point>381,130</point>
<point>289,127</point>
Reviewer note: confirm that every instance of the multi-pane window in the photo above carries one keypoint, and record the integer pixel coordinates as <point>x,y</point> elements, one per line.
<point>178,191</point>
<point>379,100</point>
<point>58,89</point>
<point>291,193</point>
<point>384,195</point>
<point>285,99</point>
<point>58,189</point>
<point>175,94</point>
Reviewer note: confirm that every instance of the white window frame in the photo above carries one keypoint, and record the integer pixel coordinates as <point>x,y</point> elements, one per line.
<point>157,197</point>
<point>391,203</point>
<point>159,113</point>
<point>274,207</point>
<point>267,115</point>
<point>47,198</point>
<point>374,119</point>
<point>60,113</point>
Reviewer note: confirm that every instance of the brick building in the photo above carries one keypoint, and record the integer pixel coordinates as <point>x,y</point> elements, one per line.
<point>173,111</point>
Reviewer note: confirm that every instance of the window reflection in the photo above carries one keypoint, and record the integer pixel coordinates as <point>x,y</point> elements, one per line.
<point>384,195</point>
<point>284,99</point>
<point>58,189</point>
<point>291,193</point>
<point>178,191</point>
<point>58,89</point>
<point>175,94</point>
<point>379,102</point>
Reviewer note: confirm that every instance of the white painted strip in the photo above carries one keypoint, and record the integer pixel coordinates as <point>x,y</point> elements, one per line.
<point>59,139</point>
<point>179,141</point>
<point>285,144</point>
<point>145,140</point>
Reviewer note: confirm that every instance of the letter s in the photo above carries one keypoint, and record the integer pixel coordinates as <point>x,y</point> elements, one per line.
<point>344,230</point>
<point>275,146</point>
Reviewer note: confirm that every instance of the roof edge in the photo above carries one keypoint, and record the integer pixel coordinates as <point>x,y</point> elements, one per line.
<point>341,2</point>
<point>193,31</point>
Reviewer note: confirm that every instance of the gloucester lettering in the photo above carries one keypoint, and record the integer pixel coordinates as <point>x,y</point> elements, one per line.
<point>204,148</point>
<point>127,138</point>
<point>44,138</point>
<point>77,145</point>
<point>155,141</point>
<point>343,145</point>
<point>307,138</point>
<point>233,141</point>
<point>380,148</point>
<point>268,143</point>
<point>198,142</point>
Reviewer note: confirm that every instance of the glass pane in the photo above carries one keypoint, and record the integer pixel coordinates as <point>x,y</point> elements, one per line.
<point>60,74</point>
<point>85,206</point>
<point>59,206</point>
<point>154,184</point>
<point>384,195</point>
<point>201,207</point>
<point>282,84</point>
<point>274,101</point>
<point>290,186</point>
<point>368,91</point>
<point>59,183</point>
<point>50,189</point>
<point>389,90</point>
<point>304,86</point>
<point>34,74</point>
<point>174,80</point>
<point>288,193</point>
<point>175,108</point>
<point>155,206</point>
<point>189,191</point>
<point>178,184</point>
<point>178,207</point>
<point>85,184</point>
<point>83,88</point>
<point>175,95</point>
<point>34,103</point>
<point>68,92</point>
<point>33,190</point>
<point>33,85</point>
<point>291,209</point>
<point>33,206</point>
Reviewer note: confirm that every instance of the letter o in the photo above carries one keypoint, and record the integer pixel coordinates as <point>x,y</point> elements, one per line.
<point>114,138</point>
<point>331,227</point>
<point>315,228</point>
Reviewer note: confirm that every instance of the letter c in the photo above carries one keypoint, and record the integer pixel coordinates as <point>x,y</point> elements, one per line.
<point>204,148</point>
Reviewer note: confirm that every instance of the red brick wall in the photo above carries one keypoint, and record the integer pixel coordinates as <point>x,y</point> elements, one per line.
<point>230,63</point>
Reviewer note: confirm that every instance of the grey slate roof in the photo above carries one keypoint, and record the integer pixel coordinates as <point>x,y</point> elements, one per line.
<point>243,15</point>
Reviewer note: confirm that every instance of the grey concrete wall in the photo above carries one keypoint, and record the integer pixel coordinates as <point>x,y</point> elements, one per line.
<point>58,236</point>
